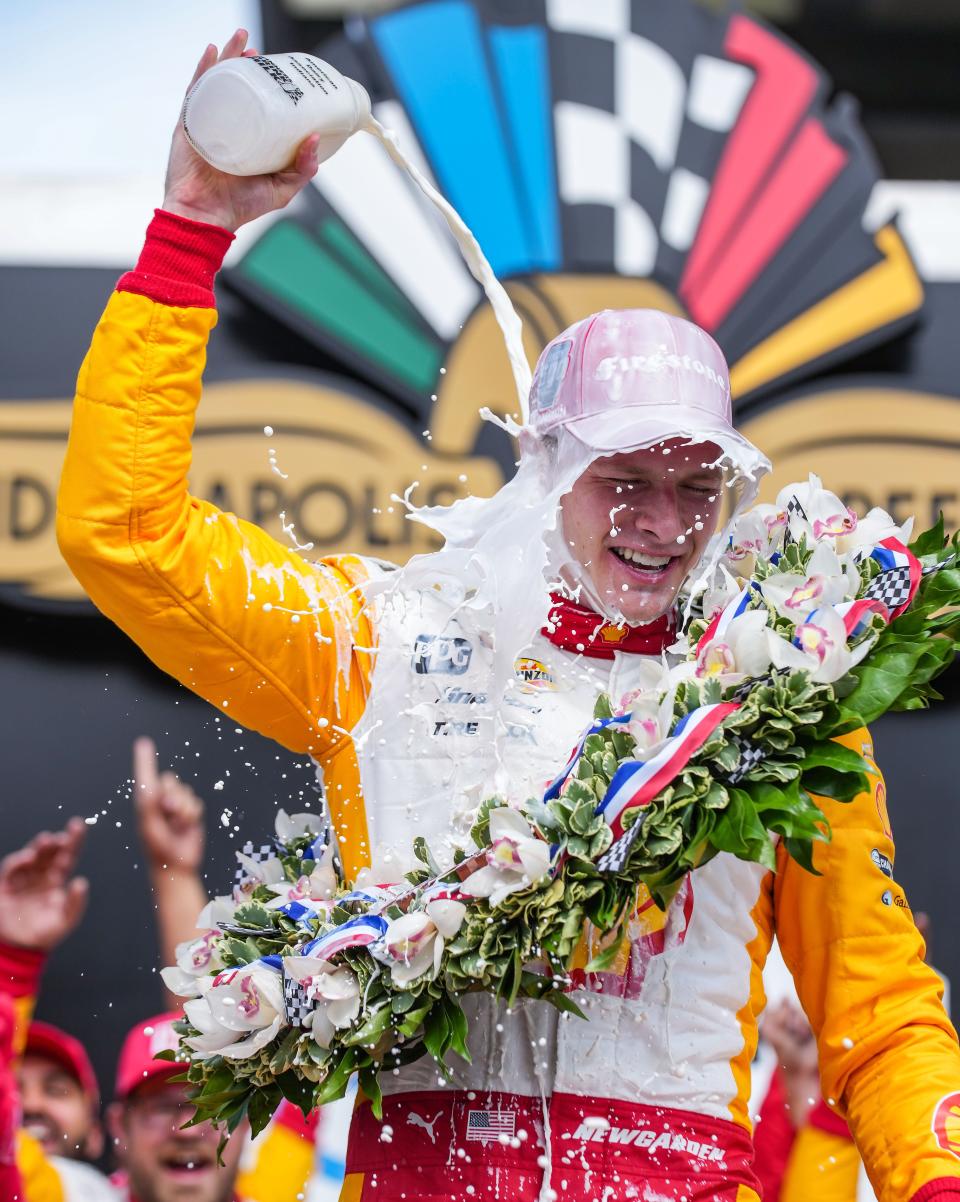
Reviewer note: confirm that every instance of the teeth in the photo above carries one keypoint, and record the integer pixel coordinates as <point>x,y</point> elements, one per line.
<point>643,561</point>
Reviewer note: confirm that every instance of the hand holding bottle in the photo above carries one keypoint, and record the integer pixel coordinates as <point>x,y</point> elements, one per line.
<point>197,190</point>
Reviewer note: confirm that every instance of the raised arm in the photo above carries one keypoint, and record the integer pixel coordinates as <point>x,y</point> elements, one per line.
<point>889,1059</point>
<point>210,598</point>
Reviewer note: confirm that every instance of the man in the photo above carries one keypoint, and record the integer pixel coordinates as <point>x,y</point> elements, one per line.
<point>59,1094</point>
<point>161,1160</point>
<point>41,902</point>
<point>420,692</point>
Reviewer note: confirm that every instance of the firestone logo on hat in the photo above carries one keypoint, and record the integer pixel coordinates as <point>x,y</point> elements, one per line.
<point>653,364</point>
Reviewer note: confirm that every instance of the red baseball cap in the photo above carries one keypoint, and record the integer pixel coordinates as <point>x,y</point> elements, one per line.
<point>48,1041</point>
<point>138,1062</point>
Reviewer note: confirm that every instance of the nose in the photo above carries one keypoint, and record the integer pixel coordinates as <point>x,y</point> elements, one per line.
<point>656,516</point>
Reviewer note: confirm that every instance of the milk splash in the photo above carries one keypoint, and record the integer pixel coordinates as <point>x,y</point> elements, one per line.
<point>475,259</point>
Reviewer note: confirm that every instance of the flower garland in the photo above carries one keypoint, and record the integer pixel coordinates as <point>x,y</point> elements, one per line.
<point>813,624</point>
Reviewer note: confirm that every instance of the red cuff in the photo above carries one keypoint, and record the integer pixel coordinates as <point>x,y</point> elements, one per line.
<point>944,1189</point>
<point>20,969</point>
<point>178,262</point>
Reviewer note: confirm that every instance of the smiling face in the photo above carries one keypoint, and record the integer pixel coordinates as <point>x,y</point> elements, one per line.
<point>638,523</point>
<point>56,1111</point>
<point>165,1163</point>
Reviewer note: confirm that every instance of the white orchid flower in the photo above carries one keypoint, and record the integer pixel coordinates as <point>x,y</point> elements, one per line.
<point>296,826</point>
<point>334,989</point>
<point>756,534</point>
<point>256,873</point>
<point>197,959</point>
<point>516,858</point>
<point>245,1002</point>
<point>822,650</point>
<point>824,515</point>
<point>873,529</point>
<point>723,590</point>
<point>217,910</point>
<point>650,709</point>
<point>827,582</point>
<point>413,943</point>
<point>741,651</point>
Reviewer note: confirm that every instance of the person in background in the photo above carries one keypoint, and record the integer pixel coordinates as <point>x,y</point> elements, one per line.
<point>59,1094</point>
<point>41,902</point>
<point>161,1159</point>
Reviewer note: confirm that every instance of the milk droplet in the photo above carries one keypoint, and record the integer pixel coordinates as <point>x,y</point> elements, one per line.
<point>268,430</point>
<point>218,784</point>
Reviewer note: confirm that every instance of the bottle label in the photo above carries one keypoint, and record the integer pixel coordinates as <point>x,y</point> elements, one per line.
<point>312,73</point>
<point>279,76</point>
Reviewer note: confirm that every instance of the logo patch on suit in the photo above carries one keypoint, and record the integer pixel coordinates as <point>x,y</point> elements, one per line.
<point>946,1124</point>
<point>441,655</point>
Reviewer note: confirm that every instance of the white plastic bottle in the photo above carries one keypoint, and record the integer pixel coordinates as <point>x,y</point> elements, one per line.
<point>247,116</point>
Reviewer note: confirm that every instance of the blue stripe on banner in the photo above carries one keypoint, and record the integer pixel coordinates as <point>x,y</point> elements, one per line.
<point>272,962</point>
<point>520,58</point>
<point>370,922</point>
<point>436,56</point>
<point>295,911</point>
<point>553,789</point>
<point>884,557</point>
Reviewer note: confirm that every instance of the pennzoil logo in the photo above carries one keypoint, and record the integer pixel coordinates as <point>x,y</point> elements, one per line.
<point>946,1124</point>
<point>533,675</point>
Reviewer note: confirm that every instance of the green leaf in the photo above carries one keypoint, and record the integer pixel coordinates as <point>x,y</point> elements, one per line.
<point>253,915</point>
<point>563,1003</point>
<point>458,1027</point>
<point>603,707</point>
<point>436,1032</point>
<point>263,1102</point>
<point>369,1081</point>
<point>930,541</point>
<point>369,1032</point>
<point>881,678</point>
<point>606,958</point>
<point>298,1090</point>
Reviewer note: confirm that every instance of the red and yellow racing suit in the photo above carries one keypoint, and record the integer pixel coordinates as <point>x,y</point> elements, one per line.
<point>664,1061</point>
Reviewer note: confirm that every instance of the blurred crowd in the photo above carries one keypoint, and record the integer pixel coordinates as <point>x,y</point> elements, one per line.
<point>60,1143</point>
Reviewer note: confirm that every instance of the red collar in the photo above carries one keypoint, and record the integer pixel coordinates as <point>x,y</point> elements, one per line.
<point>573,627</point>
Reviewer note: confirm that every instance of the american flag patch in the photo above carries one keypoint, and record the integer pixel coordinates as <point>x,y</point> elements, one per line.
<point>486,1126</point>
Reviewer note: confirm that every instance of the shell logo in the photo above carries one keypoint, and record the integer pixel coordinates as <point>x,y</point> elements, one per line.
<point>946,1124</point>
<point>612,633</point>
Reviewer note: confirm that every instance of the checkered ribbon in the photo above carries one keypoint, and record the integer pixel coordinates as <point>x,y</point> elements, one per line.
<point>259,854</point>
<point>891,588</point>
<point>750,756</point>
<point>296,1003</point>
<point>617,854</point>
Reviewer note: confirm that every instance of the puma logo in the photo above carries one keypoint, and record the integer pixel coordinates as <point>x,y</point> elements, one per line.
<point>414,1120</point>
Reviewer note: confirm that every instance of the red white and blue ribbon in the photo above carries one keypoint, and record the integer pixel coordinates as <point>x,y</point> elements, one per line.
<point>733,609</point>
<point>637,782</point>
<point>553,789</point>
<point>358,932</point>
<point>857,614</point>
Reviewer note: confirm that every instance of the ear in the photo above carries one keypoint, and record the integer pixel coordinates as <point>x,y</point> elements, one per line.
<point>114,1118</point>
<point>93,1144</point>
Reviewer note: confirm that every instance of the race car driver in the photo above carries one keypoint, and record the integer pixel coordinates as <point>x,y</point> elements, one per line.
<point>623,462</point>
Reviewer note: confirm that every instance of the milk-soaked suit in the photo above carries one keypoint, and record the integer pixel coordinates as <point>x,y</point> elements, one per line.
<point>648,1099</point>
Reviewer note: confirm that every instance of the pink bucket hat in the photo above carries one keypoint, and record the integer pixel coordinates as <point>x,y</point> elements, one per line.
<point>625,377</point>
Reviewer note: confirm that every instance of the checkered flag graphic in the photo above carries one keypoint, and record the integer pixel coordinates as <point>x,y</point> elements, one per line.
<point>617,854</point>
<point>644,103</point>
<point>891,587</point>
<point>296,1003</point>
<point>750,756</point>
<point>259,854</point>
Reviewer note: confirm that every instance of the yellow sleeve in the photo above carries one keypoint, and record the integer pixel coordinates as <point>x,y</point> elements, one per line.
<point>889,1058</point>
<point>211,599</point>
